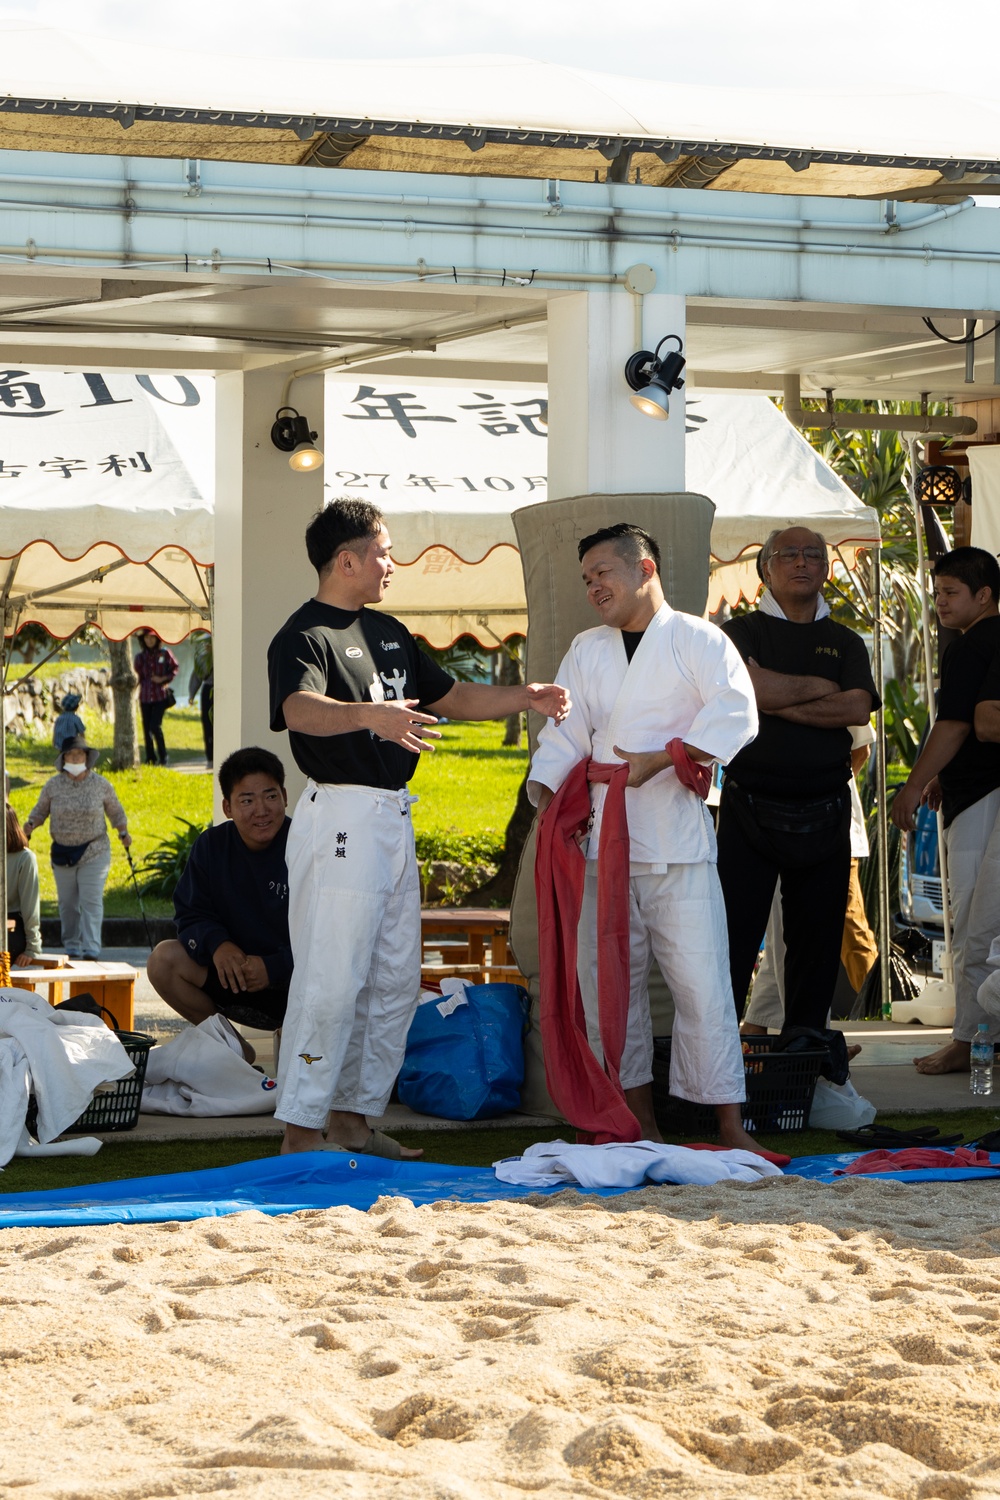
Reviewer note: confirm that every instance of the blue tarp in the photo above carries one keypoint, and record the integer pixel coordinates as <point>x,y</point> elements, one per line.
<point>285,1184</point>
<point>274,1185</point>
<point>832,1168</point>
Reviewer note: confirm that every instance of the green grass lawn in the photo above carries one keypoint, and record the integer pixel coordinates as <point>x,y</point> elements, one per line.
<point>469,784</point>
<point>121,1157</point>
<point>467,789</point>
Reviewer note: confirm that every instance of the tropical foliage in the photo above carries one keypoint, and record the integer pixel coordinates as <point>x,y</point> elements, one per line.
<point>874,465</point>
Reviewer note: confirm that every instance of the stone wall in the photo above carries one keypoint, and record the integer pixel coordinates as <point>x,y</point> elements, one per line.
<point>32,707</point>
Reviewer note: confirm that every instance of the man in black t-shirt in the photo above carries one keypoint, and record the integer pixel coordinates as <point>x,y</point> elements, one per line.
<point>959,773</point>
<point>785,811</point>
<point>359,699</point>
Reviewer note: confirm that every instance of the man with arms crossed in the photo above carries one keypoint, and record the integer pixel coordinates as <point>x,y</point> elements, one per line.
<point>647,675</point>
<point>358,698</point>
<point>960,774</point>
<point>785,811</point>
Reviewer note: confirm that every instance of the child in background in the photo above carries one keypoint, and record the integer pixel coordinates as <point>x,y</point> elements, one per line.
<point>69,724</point>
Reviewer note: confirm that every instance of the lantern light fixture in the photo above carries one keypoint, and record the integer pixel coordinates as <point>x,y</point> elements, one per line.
<point>290,434</point>
<point>652,379</point>
<point>939,485</point>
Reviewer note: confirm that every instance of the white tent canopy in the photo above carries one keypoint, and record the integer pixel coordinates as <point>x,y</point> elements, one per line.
<point>449,466</point>
<point>100,518</point>
<point>43,68</point>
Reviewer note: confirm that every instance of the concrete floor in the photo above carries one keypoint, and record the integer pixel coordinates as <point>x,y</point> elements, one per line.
<point>883,1073</point>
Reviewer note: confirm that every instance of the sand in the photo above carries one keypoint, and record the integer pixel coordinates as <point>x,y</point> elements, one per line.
<point>775,1340</point>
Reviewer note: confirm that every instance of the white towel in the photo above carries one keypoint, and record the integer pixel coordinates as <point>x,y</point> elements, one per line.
<point>202,1071</point>
<point>622,1165</point>
<point>15,1085</point>
<point>69,1055</point>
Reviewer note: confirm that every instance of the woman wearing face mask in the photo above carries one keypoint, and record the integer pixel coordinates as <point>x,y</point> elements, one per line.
<point>78,799</point>
<point>156,668</point>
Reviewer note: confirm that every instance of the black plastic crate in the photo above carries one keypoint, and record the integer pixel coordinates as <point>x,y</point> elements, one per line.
<point>780,1089</point>
<point>118,1109</point>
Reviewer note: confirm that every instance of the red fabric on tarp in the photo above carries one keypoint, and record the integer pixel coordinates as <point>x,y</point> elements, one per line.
<point>913,1158</point>
<point>776,1157</point>
<point>693,774</point>
<point>591,1097</point>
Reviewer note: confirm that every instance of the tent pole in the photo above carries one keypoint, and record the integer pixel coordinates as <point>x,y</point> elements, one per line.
<point>884,916</point>
<point>4,611</point>
<point>947,962</point>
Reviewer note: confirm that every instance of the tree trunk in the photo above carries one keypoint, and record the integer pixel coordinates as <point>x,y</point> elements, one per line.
<point>510,676</point>
<point>125,754</point>
<point>499,890</point>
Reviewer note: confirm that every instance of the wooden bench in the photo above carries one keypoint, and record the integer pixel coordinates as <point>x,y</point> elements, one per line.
<point>111,984</point>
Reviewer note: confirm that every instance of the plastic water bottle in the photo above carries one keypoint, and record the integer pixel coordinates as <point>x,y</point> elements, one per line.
<point>981,1062</point>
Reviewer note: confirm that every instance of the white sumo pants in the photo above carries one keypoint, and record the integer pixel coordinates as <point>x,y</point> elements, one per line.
<point>974,880</point>
<point>680,919</point>
<point>354,923</point>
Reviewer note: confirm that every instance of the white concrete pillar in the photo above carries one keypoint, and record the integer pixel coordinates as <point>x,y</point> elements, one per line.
<point>262,574</point>
<point>598,443</point>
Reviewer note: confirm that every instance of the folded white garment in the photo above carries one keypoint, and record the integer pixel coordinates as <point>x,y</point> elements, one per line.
<point>69,1055</point>
<point>15,1085</point>
<point>625,1165</point>
<point>202,1072</point>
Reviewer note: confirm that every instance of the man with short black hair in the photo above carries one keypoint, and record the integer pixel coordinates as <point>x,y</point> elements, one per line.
<point>785,811</point>
<point>231,955</point>
<point>959,773</point>
<point>359,699</point>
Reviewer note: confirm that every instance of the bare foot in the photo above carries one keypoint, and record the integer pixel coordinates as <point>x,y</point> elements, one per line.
<point>640,1102</point>
<point>953,1057</point>
<point>299,1138</point>
<point>732,1133</point>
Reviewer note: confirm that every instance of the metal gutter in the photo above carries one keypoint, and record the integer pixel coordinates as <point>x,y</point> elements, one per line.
<point>551,207</point>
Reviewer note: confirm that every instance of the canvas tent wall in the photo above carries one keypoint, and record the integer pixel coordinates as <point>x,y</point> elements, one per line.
<point>101,520</point>
<point>450,465</point>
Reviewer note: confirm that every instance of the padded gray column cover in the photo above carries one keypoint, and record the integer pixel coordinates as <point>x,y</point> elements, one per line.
<point>548,535</point>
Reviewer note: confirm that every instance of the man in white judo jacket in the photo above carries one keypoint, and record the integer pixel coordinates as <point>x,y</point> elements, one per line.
<point>643,677</point>
<point>359,698</point>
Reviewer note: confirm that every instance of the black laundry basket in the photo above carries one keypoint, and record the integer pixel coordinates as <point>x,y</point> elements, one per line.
<point>780,1089</point>
<point>119,1108</point>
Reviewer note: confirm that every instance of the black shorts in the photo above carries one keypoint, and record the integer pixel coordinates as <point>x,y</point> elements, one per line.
<point>264,1010</point>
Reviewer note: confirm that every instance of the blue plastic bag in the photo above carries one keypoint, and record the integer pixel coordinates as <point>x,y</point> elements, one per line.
<point>468,1063</point>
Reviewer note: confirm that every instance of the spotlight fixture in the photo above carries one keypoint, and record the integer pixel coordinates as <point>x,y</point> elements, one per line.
<point>939,485</point>
<point>290,433</point>
<point>652,378</point>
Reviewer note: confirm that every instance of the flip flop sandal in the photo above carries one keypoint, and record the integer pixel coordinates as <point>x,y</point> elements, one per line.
<point>889,1139</point>
<point>379,1144</point>
<point>988,1142</point>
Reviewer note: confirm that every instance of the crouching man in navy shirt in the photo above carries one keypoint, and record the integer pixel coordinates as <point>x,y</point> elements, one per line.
<point>232,954</point>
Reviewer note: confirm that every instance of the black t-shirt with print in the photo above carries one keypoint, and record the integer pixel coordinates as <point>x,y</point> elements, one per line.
<point>356,657</point>
<point>966,674</point>
<point>799,761</point>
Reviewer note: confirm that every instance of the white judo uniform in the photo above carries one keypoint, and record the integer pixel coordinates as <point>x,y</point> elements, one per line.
<point>685,680</point>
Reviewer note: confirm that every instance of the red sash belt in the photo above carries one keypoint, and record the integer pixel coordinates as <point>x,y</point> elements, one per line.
<point>591,1097</point>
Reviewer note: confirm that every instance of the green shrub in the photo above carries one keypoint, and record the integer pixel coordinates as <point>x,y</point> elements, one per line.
<point>484,848</point>
<point>165,866</point>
